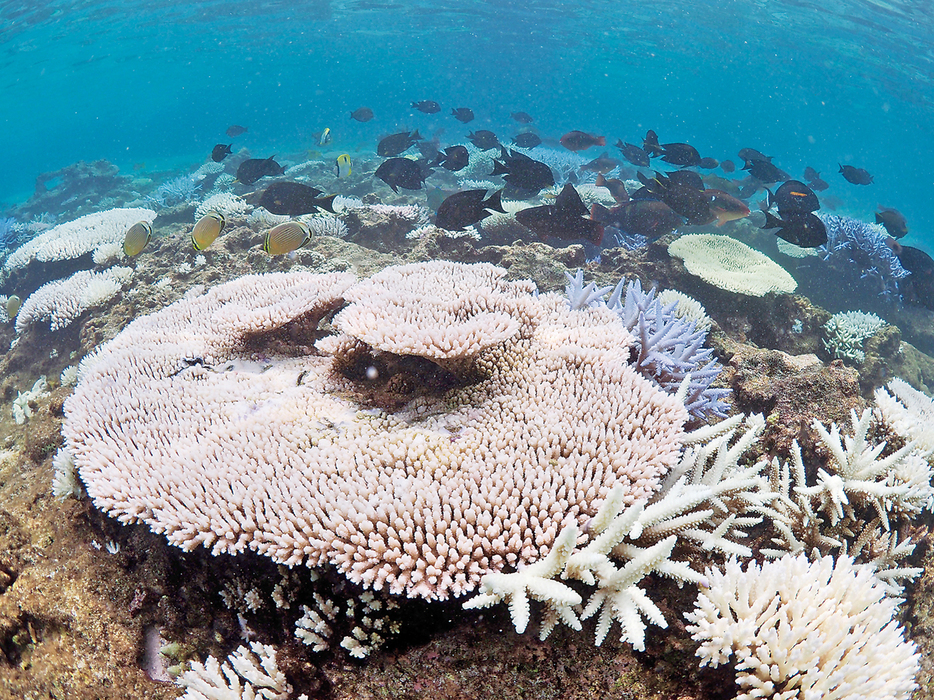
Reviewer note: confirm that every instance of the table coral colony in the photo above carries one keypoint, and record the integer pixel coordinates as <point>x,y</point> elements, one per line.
<point>450,425</point>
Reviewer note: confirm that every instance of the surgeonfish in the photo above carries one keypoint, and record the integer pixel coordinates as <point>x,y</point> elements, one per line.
<point>325,137</point>
<point>286,237</point>
<point>12,306</point>
<point>137,238</point>
<point>208,228</point>
<point>342,166</point>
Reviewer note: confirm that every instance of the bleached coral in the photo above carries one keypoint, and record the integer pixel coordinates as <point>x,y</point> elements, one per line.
<point>78,237</point>
<point>686,307</point>
<point>802,629</point>
<point>845,332</point>
<point>908,412</point>
<point>230,205</point>
<point>854,505</point>
<point>259,219</point>
<point>326,225</point>
<point>247,674</point>
<point>705,505</point>
<point>728,264</point>
<point>409,212</point>
<point>22,411</point>
<point>442,433</point>
<point>62,301</point>
<point>65,480</point>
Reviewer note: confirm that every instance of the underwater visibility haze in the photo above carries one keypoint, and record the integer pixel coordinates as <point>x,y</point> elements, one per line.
<point>393,348</point>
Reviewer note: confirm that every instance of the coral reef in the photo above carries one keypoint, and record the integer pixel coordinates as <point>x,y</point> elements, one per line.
<point>802,629</point>
<point>845,332</point>
<point>62,301</point>
<point>728,264</point>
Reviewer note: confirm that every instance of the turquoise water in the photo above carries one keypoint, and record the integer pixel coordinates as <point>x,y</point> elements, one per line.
<point>155,85</point>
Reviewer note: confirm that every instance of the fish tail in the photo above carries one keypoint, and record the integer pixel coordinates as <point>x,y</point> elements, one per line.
<point>326,203</point>
<point>495,202</point>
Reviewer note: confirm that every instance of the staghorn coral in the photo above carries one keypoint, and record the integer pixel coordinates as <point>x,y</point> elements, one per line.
<point>451,428</point>
<point>670,347</point>
<point>908,412</point>
<point>728,264</point>
<point>77,238</point>
<point>62,301</point>
<point>247,674</point>
<point>704,505</point>
<point>857,252</point>
<point>853,505</point>
<point>802,629</point>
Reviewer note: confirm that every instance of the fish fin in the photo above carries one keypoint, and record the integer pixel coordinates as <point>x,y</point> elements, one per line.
<point>495,202</point>
<point>598,212</point>
<point>772,221</point>
<point>499,168</point>
<point>600,181</point>
<point>415,136</point>
<point>770,198</point>
<point>326,203</point>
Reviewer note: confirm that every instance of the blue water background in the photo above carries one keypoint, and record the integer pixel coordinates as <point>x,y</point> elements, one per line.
<point>154,85</point>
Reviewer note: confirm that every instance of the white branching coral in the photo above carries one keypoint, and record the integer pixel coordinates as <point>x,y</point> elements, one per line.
<point>62,301</point>
<point>78,237</point>
<point>899,483</point>
<point>854,506</point>
<point>908,412</point>
<point>230,205</point>
<point>247,674</point>
<point>450,428</point>
<point>704,506</point>
<point>800,629</point>
<point>845,332</point>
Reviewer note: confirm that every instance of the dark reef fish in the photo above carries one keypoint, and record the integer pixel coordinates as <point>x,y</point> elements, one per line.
<point>616,187</point>
<point>462,114</point>
<point>235,130</point>
<point>793,197</point>
<point>802,229</point>
<point>765,172</point>
<point>253,169</point>
<point>463,209</point>
<point>751,155</point>
<point>727,166</point>
<point>402,172</point>
<point>601,164</point>
<point>893,221</point>
<point>363,114</point>
<point>856,176</point>
<point>683,196</point>
<point>453,158</point>
<point>918,287</point>
<point>814,179</point>
<point>581,141</point>
<point>683,154</point>
<point>523,172</point>
<point>527,140</point>
<point>522,117</point>
<point>220,151</point>
<point>397,143</point>
<point>566,219</point>
<point>483,139</point>
<point>640,217</point>
<point>633,154</point>
<point>294,199</point>
<point>427,106</point>
<point>650,144</point>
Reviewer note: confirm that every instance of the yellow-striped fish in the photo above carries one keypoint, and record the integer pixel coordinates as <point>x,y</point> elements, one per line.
<point>208,228</point>
<point>137,238</point>
<point>325,137</point>
<point>342,167</point>
<point>286,237</point>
